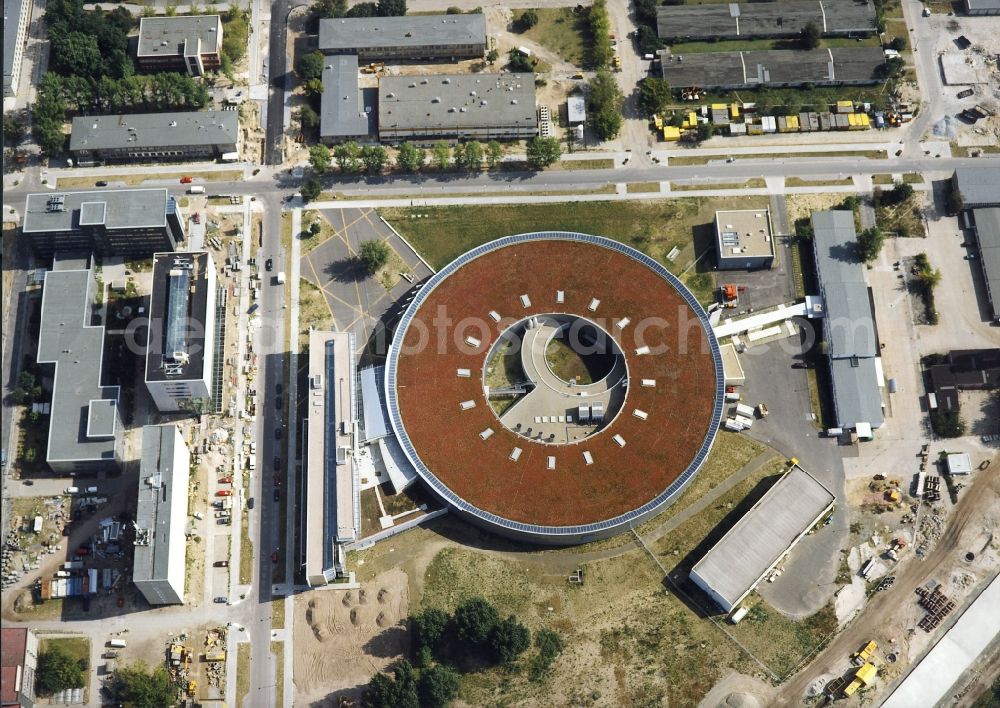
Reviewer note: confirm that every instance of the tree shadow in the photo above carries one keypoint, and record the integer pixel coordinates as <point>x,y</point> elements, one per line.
<point>346,270</point>
<point>390,642</point>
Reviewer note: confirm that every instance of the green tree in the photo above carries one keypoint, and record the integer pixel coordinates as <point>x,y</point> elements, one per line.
<point>600,35</point>
<point>235,33</point>
<point>492,56</point>
<point>397,692</point>
<point>899,44</point>
<point>410,158</point>
<point>308,117</point>
<point>391,8</point>
<point>704,131</point>
<point>76,53</point>
<point>494,154</point>
<point>314,228</point>
<point>441,155</point>
<point>947,424</point>
<point>606,101</point>
<point>549,645</point>
<point>458,154</point>
<point>893,67</point>
<point>373,255</point>
<point>429,627</point>
<point>647,41</point>
<point>654,95</point>
<point>325,9</point>
<point>374,158</point>
<point>57,670</point>
<point>313,87</point>
<point>348,156</point>
<point>509,639</point>
<point>474,621</point>
<point>319,158</point>
<point>543,152</point>
<point>137,687</point>
<point>527,20</point>
<point>810,36</point>
<point>310,190</point>
<point>518,62</point>
<point>27,390</point>
<point>310,66</point>
<point>473,156</point>
<point>13,128</point>
<point>954,201</point>
<point>900,192</point>
<point>870,243</point>
<point>363,9</point>
<point>437,687</point>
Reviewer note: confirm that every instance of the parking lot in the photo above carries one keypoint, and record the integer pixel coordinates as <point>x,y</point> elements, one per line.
<point>357,301</point>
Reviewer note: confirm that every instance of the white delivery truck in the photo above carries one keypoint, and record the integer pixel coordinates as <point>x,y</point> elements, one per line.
<point>117,643</point>
<point>280,278</point>
<point>196,189</point>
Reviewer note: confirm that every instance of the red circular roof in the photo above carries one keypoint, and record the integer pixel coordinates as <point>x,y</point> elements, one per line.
<point>657,450</point>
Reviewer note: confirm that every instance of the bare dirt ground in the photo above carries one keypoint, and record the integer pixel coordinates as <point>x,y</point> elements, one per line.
<point>738,691</point>
<point>802,205</point>
<point>342,637</point>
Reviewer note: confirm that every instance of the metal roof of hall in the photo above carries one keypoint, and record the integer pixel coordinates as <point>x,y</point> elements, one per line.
<point>359,33</point>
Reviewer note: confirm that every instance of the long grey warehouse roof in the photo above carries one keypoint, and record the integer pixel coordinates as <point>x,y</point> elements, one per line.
<point>342,113</point>
<point>737,563</point>
<point>982,5</point>
<point>456,101</point>
<point>988,235</point>
<point>154,130</point>
<point>122,209</point>
<point>67,339</point>
<point>979,186</point>
<point>767,67</point>
<point>11,18</point>
<point>166,35</point>
<point>348,34</point>
<point>764,19</point>
<point>855,392</point>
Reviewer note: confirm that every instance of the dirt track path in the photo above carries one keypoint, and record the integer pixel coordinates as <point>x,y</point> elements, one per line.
<point>946,552</point>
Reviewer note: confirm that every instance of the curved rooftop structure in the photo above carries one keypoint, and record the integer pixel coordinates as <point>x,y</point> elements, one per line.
<point>561,477</point>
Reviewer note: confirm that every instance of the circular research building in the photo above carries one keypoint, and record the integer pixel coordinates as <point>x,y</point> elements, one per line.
<point>555,387</point>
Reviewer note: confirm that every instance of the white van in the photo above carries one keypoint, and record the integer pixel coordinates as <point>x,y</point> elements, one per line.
<point>72,490</point>
<point>91,490</point>
<point>117,643</point>
<point>196,189</point>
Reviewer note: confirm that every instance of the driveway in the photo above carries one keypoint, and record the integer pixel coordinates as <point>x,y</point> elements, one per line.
<point>357,301</point>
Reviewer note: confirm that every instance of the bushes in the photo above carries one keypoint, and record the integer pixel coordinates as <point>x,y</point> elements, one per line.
<point>235,34</point>
<point>518,62</point>
<point>310,66</point>
<point>947,424</point>
<point>527,20</point>
<point>57,670</point>
<point>810,36</point>
<point>543,152</point>
<point>600,35</point>
<point>927,278</point>
<point>654,95</point>
<point>606,101</point>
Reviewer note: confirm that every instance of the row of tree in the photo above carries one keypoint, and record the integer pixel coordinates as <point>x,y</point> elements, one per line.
<point>605,107</point>
<point>473,636</point>
<point>350,157</point>
<point>601,51</point>
<point>326,9</point>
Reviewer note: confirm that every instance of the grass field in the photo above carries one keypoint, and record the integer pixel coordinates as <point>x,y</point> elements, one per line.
<point>753,183</point>
<point>278,613</point>
<point>78,649</point>
<point>326,231</point>
<point>887,180</point>
<point>705,159</point>
<point>136,178</point>
<point>278,649</point>
<point>390,273</point>
<point>559,30</point>
<point>642,187</point>
<point>652,226</point>
<point>242,672</point>
<point>802,182</point>
<point>313,311</point>
<point>246,550</point>
<point>629,640</point>
<point>597,163</point>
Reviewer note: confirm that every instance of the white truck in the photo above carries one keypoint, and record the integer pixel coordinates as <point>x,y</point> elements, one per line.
<point>280,278</point>
<point>196,189</point>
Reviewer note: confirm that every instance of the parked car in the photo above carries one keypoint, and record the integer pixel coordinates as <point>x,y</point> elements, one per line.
<point>221,564</point>
<point>269,264</point>
<point>220,600</point>
<point>278,388</point>
<point>277,403</point>
<point>250,503</point>
<point>274,557</point>
<point>187,180</point>
<point>101,183</point>
<point>277,433</point>
<point>223,493</point>
<point>277,495</point>
<point>277,464</point>
<point>226,480</point>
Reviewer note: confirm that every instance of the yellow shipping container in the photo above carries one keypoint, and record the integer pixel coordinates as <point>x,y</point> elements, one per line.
<point>841,105</point>
<point>671,133</point>
<point>793,123</point>
<point>734,112</point>
<point>719,106</point>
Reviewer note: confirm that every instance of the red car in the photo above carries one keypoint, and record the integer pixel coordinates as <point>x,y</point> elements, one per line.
<point>274,557</point>
<point>83,551</point>
<point>223,493</point>
<point>187,180</point>
<point>226,480</point>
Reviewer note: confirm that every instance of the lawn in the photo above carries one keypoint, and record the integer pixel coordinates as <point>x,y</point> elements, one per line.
<point>753,183</point>
<point>78,649</point>
<point>629,639</point>
<point>599,163</point>
<point>802,182</point>
<point>887,180</point>
<point>246,550</point>
<point>652,226</point>
<point>559,30</point>
<point>313,311</point>
<point>904,220</point>
<point>242,672</point>
<point>392,272</point>
<point>705,159</point>
<point>309,240</point>
<point>642,187</point>
<point>278,649</point>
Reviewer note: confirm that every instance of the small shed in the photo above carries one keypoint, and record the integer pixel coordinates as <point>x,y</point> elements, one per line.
<point>576,110</point>
<point>959,463</point>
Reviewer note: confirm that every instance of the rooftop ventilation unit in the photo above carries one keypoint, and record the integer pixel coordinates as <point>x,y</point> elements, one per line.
<point>57,202</point>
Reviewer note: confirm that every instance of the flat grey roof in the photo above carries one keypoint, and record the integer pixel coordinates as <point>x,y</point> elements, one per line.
<point>124,209</point>
<point>342,110</point>
<point>102,418</point>
<point>165,36</point>
<point>777,66</point>
<point>982,4</point>
<point>161,466</point>
<point>456,101</point>
<point>194,315</point>
<point>979,185</point>
<point>763,19</point>
<point>856,392</point>
<point>11,16</point>
<point>988,235</point>
<point>751,230</point>
<point>360,33</point>
<point>376,418</point>
<point>737,563</point>
<point>154,130</point>
<point>67,340</point>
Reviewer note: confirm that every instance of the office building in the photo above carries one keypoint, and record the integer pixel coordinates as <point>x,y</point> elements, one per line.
<point>347,112</point>
<point>457,106</point>
<point>332,490</point>
<point>154,137</point>
<point>410,37</point>
<point>16,16</point>
<point>191,44</point>
<point>132,223</point>
<point>85,430</point>
<point>161,516</point>
<point>180,349</point>
<point>743,239</point>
